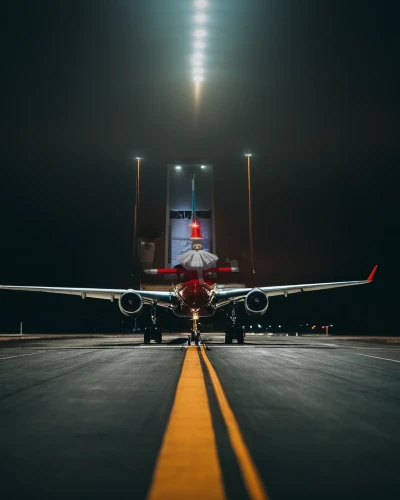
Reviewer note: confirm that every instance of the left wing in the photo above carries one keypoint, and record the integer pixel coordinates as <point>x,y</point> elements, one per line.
<point>224,296</point>
<point>165,298</point>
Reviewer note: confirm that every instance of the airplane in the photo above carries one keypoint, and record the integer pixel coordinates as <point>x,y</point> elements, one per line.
<point>193,298</point>
<point>197,295</point>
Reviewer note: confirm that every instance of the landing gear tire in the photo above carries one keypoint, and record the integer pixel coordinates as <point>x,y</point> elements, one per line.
<point>147,336</point>
<point>240,336</point>
<point>157,334</point>
<point>194,337</point>
<point>228,335</point>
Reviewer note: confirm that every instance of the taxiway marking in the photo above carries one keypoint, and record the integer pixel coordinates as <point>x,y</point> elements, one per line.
<point>252,479</point>
<point>376,357</point>
<point>21,355</point>
<point>188,465</point>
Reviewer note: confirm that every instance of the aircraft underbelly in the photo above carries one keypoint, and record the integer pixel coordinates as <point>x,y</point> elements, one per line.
<point>186,312</point>
<point>194,297</point>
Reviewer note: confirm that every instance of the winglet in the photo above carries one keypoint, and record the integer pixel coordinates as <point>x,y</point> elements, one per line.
<point>371,276</point>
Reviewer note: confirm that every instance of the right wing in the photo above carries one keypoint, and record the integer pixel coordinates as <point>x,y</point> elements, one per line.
<point>225,296</point>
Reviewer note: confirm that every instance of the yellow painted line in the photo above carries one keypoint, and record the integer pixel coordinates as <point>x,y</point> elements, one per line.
<point>188,466</point>
<point>251,476</point>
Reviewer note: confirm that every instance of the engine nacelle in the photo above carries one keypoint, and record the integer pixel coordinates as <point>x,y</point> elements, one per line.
<point>130,303</point>
<point>256,302</point>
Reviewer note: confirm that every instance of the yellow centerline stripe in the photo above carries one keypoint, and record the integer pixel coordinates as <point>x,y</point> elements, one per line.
<point>187,465</point>
<point>251,476</point>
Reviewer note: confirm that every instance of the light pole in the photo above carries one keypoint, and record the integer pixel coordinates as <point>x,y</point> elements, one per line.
<point>250,219</point>
<point>138,182</point>
<point>137,200</point>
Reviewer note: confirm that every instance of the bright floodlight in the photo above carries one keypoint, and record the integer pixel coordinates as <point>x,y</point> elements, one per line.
<point>198,56</point>
<point>202,166</point>
<point>198,79</point>
<point>198,71</point>
<point>198,44</point>
<point>200,33</point>
<point>247,154</point>
<point>178,167</point>
<point>200,18</point>
<point>200,4</point>
<point>138,158</point>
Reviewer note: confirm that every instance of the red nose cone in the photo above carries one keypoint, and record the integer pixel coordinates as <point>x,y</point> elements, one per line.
<point>196,234</point>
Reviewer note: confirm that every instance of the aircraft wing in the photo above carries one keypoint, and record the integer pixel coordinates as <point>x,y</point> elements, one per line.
<point>163,298</point>
<point>224,296</point>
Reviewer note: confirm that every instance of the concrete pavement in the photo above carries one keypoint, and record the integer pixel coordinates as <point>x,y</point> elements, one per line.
<point>86,417</point>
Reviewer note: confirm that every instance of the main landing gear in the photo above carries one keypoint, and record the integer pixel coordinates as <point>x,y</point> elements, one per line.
<point>234,332</point>
<point>153,331</point>
<point>233,329</point>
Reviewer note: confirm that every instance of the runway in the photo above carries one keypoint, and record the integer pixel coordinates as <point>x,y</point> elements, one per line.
<point>107,417</point>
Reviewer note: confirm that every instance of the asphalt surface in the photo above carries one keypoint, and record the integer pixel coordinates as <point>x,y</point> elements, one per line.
<point>85,417</point>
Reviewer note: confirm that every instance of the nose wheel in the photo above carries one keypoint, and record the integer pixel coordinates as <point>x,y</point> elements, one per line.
<point>194,338</point>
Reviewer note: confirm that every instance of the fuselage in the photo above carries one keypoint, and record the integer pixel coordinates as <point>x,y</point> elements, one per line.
<point>195,295</point>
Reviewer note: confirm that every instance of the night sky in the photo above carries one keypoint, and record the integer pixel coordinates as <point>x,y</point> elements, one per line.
<point>311,88</point>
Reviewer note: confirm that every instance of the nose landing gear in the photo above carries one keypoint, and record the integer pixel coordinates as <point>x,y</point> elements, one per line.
<point>195,332</point>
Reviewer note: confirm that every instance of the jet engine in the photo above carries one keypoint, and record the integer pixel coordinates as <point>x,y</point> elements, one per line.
<point>130,303</point>
<point>256,302</point>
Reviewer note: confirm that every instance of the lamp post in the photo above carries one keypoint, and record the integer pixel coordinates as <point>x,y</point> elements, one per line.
<point>250,218</point>
<point>138,182</point>
<point>137,200</point>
